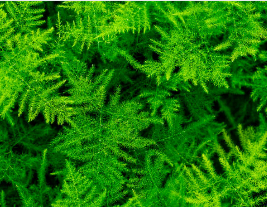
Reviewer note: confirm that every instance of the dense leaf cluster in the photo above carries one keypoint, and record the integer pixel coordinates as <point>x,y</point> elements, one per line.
<point>133,104</point>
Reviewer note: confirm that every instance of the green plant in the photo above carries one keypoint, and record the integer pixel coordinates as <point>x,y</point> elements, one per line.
<point>133,104</point>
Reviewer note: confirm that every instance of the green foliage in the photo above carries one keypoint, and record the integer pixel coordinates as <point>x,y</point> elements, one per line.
<point>25,15</point>
<point>243,178</point>
<point>3,202</point>
<point>259,85</point>
<point>78,190</point>
<point>21,79</point>
<point>97,143</point>
<point>150,186</point>
<point>133,104</point>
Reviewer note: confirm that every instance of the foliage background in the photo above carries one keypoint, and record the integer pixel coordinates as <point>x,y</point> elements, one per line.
<point>133,104</point>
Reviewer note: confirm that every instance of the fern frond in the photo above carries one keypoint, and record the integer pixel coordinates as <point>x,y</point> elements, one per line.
<point>79,190</point>
<point>242,178</point>
<point>6,28</point>
<point>25,196</point>
<point>99,144</point>
<point>26,15</point>
<point>130,16</point>
<point>3,202</point>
